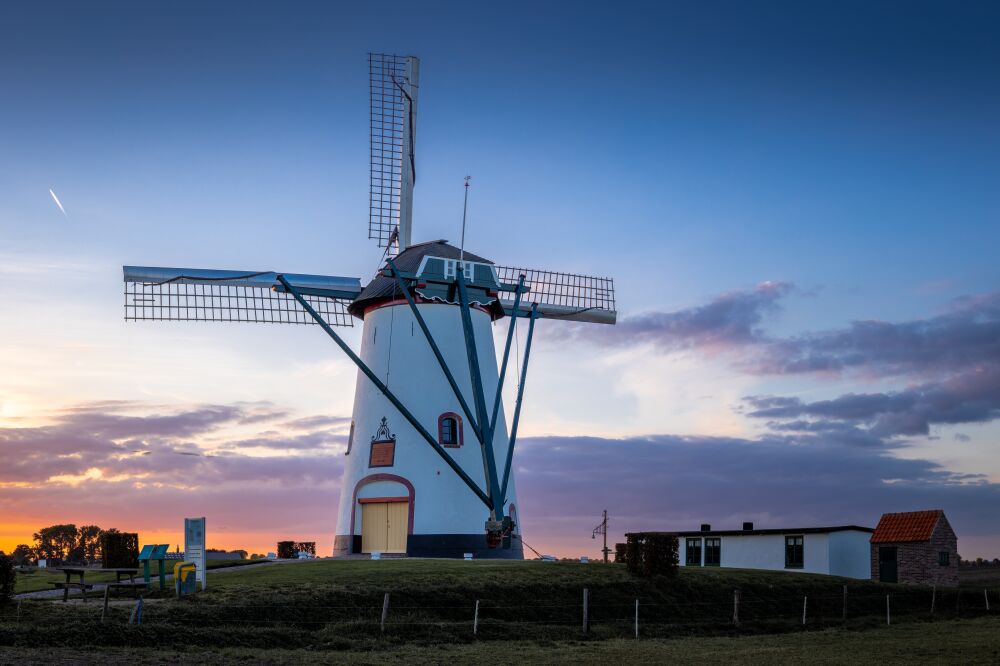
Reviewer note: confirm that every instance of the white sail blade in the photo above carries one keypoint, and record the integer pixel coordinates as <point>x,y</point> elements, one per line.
<point>197,294</point>
<point>561,295</point>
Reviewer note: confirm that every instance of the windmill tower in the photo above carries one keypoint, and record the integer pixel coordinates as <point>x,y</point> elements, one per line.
<point>429,455</point>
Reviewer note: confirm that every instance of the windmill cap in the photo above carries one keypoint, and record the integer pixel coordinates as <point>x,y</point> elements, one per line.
<point>383,288</point>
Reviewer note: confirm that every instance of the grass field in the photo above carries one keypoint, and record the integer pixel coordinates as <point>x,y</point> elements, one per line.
<point>979,577</point>
<point>306,612</point>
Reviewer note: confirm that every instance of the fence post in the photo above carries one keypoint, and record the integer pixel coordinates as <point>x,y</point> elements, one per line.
<point>805,600</point>
<point>888,617</point>
<point>845,603</point>
<point>18,610</point>
<point>933,598</point>
<point>475,620</point>
<point>637,618</point>
<point>736,608</point>
<point>586,608</point>
<point>986,596</point>
<point>385,611</point>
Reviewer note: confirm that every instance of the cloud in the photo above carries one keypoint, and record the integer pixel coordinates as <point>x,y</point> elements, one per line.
<point>952,361</point>
<point>117,442</point>
<point>969,397</point>
<point>966,336</point>
<point>730,320</point>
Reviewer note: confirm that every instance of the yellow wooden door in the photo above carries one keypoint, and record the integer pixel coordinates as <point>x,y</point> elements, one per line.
<point>399,517</point>
<point>374,522</point>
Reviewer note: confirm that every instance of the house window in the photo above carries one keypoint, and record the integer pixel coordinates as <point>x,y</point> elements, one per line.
<point>944,558</point>
<point>713,552</point>
<point>794,554</point>
<point>450,430</point>
<point>693,556</point>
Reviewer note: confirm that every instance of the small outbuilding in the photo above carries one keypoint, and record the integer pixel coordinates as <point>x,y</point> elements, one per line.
<point>916,547</point>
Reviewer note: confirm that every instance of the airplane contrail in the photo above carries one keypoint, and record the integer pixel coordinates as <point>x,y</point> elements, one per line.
<point>58,203</point>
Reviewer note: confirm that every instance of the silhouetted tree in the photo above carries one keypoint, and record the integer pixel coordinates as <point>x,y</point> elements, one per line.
<point>89,541</point>
<point>55,540</point>
<point>22,554</point>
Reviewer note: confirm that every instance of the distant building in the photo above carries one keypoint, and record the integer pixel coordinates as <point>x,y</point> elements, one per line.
<point>838,551</point>
<point>917,547</point>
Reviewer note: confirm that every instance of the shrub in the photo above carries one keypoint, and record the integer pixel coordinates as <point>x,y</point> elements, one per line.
<point>7,578</point>
<point>119,549</point>
<point>651,553</point>
<point>286,550</point>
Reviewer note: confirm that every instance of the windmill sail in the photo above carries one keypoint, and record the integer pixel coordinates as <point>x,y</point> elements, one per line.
<point>561,295</point>
<point>393,85</point>
<point>194,294</point>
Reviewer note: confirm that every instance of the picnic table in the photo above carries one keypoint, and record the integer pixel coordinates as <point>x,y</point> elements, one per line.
<point>83,585</point>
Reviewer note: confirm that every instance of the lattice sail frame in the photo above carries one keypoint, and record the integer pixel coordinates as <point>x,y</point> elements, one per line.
<point>190,295</point>
<point>391,134</point>
<point>562,295</point>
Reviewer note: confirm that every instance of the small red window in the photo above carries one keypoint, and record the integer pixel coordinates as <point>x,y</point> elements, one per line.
<point>450,430</point>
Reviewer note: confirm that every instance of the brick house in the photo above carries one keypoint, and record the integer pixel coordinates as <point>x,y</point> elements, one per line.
<point>916,547</point>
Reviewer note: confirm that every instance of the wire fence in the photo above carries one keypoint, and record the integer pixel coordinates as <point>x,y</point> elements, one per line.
<point>748,611</point>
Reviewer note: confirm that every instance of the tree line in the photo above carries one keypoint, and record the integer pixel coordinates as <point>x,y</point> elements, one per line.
<point>69,543</point>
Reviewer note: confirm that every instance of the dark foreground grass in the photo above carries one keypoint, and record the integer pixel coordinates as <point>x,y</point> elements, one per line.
<point>971,641</point>
<point>335,606</point>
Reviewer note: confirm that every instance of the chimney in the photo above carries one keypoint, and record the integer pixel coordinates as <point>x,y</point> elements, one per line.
<point>705,527</point>
<point>748,527</point>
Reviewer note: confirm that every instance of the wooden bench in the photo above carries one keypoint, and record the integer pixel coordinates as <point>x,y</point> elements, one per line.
<point>67,586</point>
<point>121,585</point>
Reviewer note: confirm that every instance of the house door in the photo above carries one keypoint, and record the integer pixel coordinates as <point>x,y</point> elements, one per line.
<point>887,570</point>
<point>384,526</point>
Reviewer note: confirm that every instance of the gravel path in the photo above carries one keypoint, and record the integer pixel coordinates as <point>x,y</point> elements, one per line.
<point>99,587</point>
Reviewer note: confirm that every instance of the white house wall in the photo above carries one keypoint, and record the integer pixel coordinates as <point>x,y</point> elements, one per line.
<point>850,554</point>
<point>394,347</point>
<point>840,553</point>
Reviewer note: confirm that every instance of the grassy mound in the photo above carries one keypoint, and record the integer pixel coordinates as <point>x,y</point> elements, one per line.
<point>336,605</point>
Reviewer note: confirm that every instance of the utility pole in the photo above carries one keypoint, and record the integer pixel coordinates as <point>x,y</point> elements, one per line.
<point>602,529</point>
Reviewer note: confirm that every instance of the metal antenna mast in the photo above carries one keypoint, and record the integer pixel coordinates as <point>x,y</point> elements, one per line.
<point>602,528</point>
<point>465,210</point>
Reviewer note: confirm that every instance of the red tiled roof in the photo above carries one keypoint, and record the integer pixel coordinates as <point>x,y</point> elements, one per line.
<point>908,526</point>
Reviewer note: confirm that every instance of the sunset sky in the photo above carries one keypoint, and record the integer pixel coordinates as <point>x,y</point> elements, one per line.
<point>799,203</point>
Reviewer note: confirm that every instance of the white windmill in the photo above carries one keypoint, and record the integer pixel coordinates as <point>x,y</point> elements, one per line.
<point>429,447</point>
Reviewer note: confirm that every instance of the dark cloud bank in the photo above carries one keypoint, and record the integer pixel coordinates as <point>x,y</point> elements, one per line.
<point>656,482</point>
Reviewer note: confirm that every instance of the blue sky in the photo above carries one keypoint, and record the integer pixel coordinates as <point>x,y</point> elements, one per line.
<point>690,150</point>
